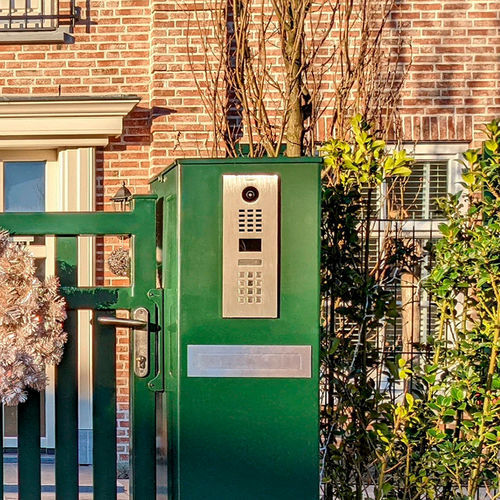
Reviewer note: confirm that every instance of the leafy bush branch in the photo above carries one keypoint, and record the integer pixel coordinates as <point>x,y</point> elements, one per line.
<point>357,414</point>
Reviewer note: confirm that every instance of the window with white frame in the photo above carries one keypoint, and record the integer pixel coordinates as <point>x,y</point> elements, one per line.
<point>52,180</point>
<point>22,189</point>
<point>47,162</point>
<point>410,216</point>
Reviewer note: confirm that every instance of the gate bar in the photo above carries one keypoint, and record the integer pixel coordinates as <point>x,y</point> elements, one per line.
<point>104,410</point>
<point>28,444</point>
<point>66,393</point>
<point>87,223</point>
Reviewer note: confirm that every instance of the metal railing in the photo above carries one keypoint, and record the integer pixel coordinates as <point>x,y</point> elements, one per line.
<point>400,256</point>
<point>37,15</point>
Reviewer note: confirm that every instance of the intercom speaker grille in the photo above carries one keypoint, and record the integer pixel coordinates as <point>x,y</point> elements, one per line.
<point>250,220</point>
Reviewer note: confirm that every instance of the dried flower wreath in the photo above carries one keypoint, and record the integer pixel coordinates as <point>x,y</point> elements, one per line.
<point>31,323</point>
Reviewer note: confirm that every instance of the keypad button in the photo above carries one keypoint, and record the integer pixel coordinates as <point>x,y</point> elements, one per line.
<point>250,300</point>
<point>250,274</point>
<point>258,300</point>
<point>250,291</point>
<point>250,283</point>
<point>259,291</point>
<point>241,300</point>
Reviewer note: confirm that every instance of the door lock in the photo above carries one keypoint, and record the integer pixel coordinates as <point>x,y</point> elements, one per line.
<point>140,361</point>
<point>140,331</point>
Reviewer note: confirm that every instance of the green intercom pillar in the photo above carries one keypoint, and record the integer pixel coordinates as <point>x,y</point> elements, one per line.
<point>240,268</point>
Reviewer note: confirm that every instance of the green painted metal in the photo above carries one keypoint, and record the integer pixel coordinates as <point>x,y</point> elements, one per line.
<point>167,402</point>
<point>99,298</point>
<point>232,437</point>
<point>66,415</point>
<point>104,411</point>
<point>140,224</point>
<point>216,438</point>
<point>28,443</point>
<point>142,411</point>
<point>81,223</point>
<point>66,382</point>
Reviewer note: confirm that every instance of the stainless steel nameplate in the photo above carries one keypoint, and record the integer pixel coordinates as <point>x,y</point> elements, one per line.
<point>252,361</point>
<point>249,262</point>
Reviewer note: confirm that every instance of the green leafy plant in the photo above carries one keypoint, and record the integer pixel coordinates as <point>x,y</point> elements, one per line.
<point>358,417</point>
<point>459,442</point>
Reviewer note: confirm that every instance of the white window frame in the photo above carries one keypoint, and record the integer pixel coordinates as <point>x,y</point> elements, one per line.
<point>70,128</point>
<point>69,186</point>
<point>451,152</point>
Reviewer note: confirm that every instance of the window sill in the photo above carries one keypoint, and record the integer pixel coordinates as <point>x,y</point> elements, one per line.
<point>58,36</point>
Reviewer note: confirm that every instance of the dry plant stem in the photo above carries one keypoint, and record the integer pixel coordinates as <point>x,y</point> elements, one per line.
<point>474,481</point>
<point>248,93</point>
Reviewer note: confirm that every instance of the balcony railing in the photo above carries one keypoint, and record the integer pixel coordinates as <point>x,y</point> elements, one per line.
<point>37,15</point>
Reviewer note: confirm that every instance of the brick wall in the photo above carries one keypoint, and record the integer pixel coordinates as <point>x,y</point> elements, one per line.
<point>140,47</point>
<point>454,82</point>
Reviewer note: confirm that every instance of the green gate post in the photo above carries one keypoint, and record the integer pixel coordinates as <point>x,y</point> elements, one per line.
<point>239,418</point>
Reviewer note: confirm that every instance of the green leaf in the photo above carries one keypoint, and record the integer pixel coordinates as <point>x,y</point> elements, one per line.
<point>402,171</point>
<point>457,394</point>
<point>491,145</point>
<point>410,400</point>
<point>468,178</point>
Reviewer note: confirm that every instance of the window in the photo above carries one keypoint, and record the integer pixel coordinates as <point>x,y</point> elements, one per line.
<point>416,196</point>
<point>408,219</point>
<point>28,14</point>
<point>24,186</point>
<point>37,21</point>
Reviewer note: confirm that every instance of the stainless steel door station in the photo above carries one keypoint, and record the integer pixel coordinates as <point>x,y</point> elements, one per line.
<point>250,257</point>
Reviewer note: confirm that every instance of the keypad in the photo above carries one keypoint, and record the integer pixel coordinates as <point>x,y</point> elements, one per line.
<point>250,287</point>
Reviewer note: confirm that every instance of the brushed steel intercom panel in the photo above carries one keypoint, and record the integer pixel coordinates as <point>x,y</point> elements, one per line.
<point>250,246</point>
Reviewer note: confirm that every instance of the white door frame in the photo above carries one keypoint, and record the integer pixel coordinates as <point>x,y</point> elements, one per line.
<point>69,186</point>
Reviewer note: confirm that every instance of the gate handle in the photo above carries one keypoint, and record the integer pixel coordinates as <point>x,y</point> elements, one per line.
<point>139,323</point>
<point>123,322</point>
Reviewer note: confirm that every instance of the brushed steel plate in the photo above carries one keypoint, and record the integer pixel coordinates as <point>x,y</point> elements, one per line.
<point>250,277</point>
<point>249,361</point>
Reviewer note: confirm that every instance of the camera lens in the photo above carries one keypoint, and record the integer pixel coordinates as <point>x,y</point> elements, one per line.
<point>250,194</point>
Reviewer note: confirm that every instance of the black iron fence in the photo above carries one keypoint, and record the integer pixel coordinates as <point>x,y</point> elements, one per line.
<point>37,15</point>
<point>399,255</point>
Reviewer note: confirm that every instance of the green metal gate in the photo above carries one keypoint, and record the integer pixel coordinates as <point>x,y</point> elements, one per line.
<point>140,224</point>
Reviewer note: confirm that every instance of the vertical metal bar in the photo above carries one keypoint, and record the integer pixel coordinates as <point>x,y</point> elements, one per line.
<point>142,407</point>
<point>29,472</point>
<point>66,396</point>
<point>66,381</point>
<point>104,410</point>
<point>72,14</point>
<point>43,13</point>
